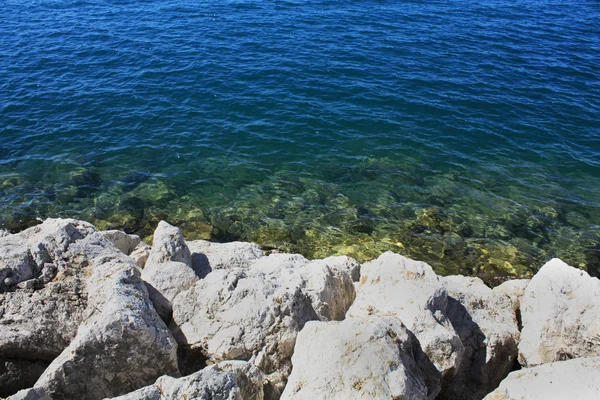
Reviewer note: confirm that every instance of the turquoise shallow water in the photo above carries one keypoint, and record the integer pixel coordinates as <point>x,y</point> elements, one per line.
<point>465,134</point>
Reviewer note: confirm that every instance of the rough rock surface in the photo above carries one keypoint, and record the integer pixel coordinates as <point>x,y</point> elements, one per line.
<point>121,240</point>
<point>46,300</point>
<point>19,374</point>
<point>367,357</point>
<point>487,326</point>
<point>168,245</point>
<point>515,289</point>
<point>256,312</point>
<point>208,256</point>
<point>168,268</point>
<point>229,380</point>
<point>560,311</point>
<point>571,379</point>
<point>122,345</point>
<point>409,290</point>
<point>31,253</point>
<point>140,254</point>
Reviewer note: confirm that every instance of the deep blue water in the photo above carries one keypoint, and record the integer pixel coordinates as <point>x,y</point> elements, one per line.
<point>465,134</point>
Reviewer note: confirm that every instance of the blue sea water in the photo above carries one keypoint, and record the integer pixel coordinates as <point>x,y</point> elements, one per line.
<point>465,134</point>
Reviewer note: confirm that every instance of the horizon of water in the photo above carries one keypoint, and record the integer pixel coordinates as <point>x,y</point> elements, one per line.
<point>462,134</point>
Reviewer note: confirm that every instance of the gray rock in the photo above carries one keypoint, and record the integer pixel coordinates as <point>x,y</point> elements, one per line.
<point>393,285</point>
<point>515,289</point>
<point>487,326</point>
<point>18,374</point>
<point>140,254</point>
<point>168,245</point>
<point>168,269</point>
<point>165,281</point>
<point>122,344</point>
<point>367,357</point>
<point>121,240</point>
<point>560,311</point>
<point>208,256</point>
<point>232,380</point>
<point>256,313</point>
<point>24,255</point>
<point>571,379</point>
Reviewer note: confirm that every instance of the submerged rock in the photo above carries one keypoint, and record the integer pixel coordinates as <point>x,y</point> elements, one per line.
<point>369,357</point>
<point>560,311</point>
<point>571,379</point>
<point>487,326</point>
<point>229,380</point>
<point>409,290</point>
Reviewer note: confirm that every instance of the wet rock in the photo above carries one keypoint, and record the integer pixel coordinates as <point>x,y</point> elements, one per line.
<point>571,379</point>
<point>229,380</point>
<point>409,290</point>
<point>255,313</point>
<point>364,357</point>
<point>560,311</point>
<point>487,326</point>
<point>168,269</point>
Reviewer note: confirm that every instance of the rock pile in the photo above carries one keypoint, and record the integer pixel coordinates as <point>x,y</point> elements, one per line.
<point>97,315</point>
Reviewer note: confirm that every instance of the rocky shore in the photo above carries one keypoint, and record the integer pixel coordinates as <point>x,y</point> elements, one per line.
<point>87,314</point>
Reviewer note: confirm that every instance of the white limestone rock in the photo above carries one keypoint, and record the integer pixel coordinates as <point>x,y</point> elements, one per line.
<point>121,240</point>
<point>368,357</point>
<point>487,326</point>
<point>343,263</point>
<point>256,312</point>
<point>39,316</point>
<point>165,281</point>
<point>230,380</point>
<point>571,379</point>
<point>514,288</point>
<point>122,344</point>
<point>168,270</point>
<point>208,256</point>
<point>560,311</point>
<point>24,255</point>
<point>140,254</point>
<point>394,285</point>
<point>168,245</point>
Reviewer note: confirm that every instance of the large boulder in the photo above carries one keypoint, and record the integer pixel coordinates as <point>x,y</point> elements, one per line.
<point>397,286</point>
<point>43,298</point>
<point>35,251</point>
<point>229,380</point>
<point>571,379</point>
<point>168,270</point>
<point>121,345</point>
<point>487,326</point>
<point>560,311</point>
<point>255,313</point>
<point>367,357</point>
<point>208,256</point>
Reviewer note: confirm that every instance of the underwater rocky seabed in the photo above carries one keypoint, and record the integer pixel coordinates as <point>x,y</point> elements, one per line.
<point>489,225</point>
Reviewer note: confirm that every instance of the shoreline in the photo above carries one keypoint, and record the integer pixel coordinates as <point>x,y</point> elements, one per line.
<point>97,314</point>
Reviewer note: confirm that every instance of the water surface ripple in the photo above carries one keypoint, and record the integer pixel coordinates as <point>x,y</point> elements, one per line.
<point>465,134</point>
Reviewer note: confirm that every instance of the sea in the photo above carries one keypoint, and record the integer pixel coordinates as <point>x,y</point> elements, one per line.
<point>462,133</point>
